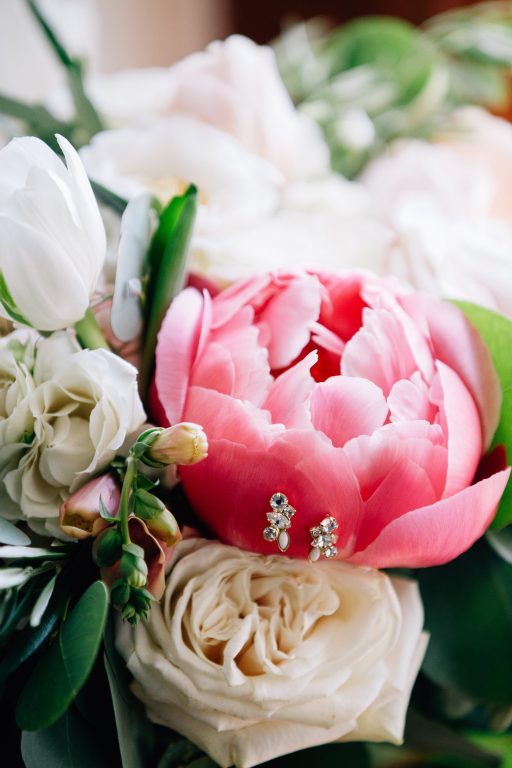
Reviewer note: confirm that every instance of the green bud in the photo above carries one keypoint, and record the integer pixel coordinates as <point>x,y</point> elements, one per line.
<point>133,569</point>
<point>130,614</point>
<point>160,522</point>
<point>120,593</point>
<point>146,505</point>
<point>141,600</point>
<point>107,548</point>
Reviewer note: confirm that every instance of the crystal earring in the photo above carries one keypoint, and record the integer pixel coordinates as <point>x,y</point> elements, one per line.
<point>324,539</point>
<point>280,520</point>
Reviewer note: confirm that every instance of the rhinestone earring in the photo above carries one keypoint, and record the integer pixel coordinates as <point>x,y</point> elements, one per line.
<point>280,520</point>
<point>324,539</point>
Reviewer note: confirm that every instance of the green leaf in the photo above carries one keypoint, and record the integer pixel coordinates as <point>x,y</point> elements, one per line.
<point>31,638</point>
<point>496,331</point>
<point>178,753</point>
<point>468,610</point>
<point>135,733</point>
<point>63,670</point>
<point>107,197</point>
<point>68,743</point>
<point>166,266</point>
<point>353,755</point>
<point>10,534</point>
<point>42,602</point>
<point>86,114</point>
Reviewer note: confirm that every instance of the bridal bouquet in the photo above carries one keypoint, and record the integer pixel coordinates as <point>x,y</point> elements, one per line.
<point>255,429</point>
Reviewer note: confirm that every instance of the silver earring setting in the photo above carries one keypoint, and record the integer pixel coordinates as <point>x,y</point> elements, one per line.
<point>279,521</point>
<point>324,539</point>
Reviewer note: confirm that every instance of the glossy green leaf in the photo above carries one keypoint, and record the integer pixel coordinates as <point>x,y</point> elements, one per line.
<point>468,611</point>
<point>68,743</point>
<point>166,267</point>
<point>65,667</point>
<point>496,332</point>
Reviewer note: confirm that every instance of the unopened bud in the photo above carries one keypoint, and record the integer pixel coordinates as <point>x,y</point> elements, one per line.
<point>183,444</point>
<point>80,514</point>
<point>160,522</point>
<point>107,549</point>
<point>120,593</point>
<point>133,567</point>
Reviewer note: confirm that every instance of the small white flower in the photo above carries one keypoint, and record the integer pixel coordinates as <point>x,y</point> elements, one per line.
<point>52,240</point>
<point>62,421</point>
<point>252,657</point>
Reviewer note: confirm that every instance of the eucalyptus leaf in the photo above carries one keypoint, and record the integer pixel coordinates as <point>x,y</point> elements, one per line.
<point>496,331</point>
<point>468,610</point>
<point>15,577</point>
<point>65,667</point>
<point>68,743</point>
<point>10,534</point>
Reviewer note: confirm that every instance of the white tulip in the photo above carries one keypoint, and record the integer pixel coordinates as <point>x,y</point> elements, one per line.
<point>52,239</point>
<point>252,657</point>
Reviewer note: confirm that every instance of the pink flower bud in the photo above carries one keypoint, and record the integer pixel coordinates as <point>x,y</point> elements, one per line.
<point>184,444</point>
<point>80,513</point>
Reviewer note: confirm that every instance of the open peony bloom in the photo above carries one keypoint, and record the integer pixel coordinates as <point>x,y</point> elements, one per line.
<point>352,398</point>
<point>253,657</point>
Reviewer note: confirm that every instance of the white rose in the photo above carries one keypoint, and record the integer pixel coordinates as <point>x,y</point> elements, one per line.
<point>52,240</point>
<point>233,85</point>
<point>63,420</point>
<point>252,657</point>
<point>441,202</point>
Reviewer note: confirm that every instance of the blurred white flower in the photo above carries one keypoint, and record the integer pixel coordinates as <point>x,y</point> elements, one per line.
<point>235,86</point>
<point>447,208</point>
<point>62,420</point>
<point>250,218</point>
<point>252,657</point>
<point>52,239</point>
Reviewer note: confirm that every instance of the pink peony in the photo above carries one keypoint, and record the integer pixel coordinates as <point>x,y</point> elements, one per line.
<point>348,395</point>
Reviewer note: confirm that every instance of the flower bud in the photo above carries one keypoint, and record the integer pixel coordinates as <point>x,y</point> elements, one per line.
<point>120,593</point>
<point>108,548</point>
<point>80,514</point>
<point>133,569</point>
<point>183,444</point>
<point>160,522</point>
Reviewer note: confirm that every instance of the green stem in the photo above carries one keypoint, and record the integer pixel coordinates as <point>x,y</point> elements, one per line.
<point>89,333</point>
<point>124,510</point>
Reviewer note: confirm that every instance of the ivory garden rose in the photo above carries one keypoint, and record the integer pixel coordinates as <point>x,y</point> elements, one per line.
<point>350,396</point>
<point>252,657</point>
<point>63,417</point>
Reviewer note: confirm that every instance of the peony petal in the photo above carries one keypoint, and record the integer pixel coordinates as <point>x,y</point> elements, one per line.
<point>468,355</point>
<point>344,407</point>
<point>176,350</point>
<point>435,534</point>
<point>463,430</point>
<point>288,399</point>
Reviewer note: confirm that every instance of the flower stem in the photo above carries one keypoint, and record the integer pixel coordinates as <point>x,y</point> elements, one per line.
<point>89,333</point>
<point>124,511</point>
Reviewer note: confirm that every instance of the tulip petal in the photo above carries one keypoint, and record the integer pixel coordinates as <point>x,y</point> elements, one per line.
<point>436,534</point>
<point>344,407</point>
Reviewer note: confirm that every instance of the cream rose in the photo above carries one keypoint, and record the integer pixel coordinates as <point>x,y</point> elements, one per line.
<point>62,419</point>
<point>252,657</point>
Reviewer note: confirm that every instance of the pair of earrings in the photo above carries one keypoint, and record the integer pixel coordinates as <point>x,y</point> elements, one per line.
<point>323,536</point>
